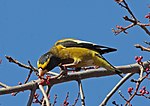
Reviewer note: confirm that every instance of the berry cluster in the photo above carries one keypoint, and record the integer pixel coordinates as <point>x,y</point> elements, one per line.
<point>143,91</point>
<point>139,59</point>
<point>147,16</point>
<point>130,89</point>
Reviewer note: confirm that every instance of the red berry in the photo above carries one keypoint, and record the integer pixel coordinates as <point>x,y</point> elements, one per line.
<point>130,89</point>
<point>147,92</point>
<point>140,90</point>
<point>141,57</point>
<point>147,69</point>
<point>138,60</point>
<point>144,87</point>
<point>19,83</point>
<point>143,92</point>
<point>147,16</point>
<point>12,94</point>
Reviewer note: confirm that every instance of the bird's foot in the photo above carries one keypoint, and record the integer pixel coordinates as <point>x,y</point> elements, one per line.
<point>88,68</point>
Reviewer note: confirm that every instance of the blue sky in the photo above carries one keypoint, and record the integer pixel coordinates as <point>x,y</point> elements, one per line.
<point>29,28</point>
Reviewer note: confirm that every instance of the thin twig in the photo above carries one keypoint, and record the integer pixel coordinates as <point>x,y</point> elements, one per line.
<point>128,9</point>
<point>10,59</point>
<point>4,85</point>
<point>137,84</point>
<point>27,79</point>
<point>31,96</point>
<point>136,90</point>
<point>55,100</point>
<point>76,100</point>
<point>133,20</point>
<point>142,47</point>
<point>47,92</point>
<point>45,95</point>
<point>81,92</point>
<point>120,83</point>
<point>120,93</point>
<point>148,43</point>
<point>123,29</point>
<point>66,103</point>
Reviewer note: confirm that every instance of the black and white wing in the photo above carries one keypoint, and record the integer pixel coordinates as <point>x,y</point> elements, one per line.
<point>84,44</point>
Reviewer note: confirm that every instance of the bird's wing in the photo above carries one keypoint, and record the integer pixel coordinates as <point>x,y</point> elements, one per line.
<point>83,44</point>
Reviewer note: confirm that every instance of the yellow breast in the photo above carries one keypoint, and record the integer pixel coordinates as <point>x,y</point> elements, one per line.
<point>85,56</point>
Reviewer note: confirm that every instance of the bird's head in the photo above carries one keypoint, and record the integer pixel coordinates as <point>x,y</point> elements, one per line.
<point>47,62</point>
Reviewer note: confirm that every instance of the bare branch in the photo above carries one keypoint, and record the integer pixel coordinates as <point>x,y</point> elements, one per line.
<point>148,43</point>
<point>10,59</point>
<point>18,88</point>
<point>31,96</point>
<point>4,85</point>
<point>76,100</point>
<point>104,102</point>
<point>137,85</point>
<point>55,100</point>
<point>128,9</point>
<point>132,68</point>
<point>134,21</point>
<point>30,67</point>
<point>123,29</point>
<point>81,92</point>
<point>47,92</point>
<point>45,95</point>
<point>120,93</point>
<point>142,47</point>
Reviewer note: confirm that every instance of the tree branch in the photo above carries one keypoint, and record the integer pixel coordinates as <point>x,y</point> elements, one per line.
<point>45,95</point>
<point>81,92</point>
<point>10,59</point>
<point>132,68</point>
<point>134,21</point>
<point>47,92</point>
<point>142,47</point>
<point>31,96</point>
<point>104,102</point>
<point>138,82</point>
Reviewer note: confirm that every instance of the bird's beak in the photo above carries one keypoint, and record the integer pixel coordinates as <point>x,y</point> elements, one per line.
<point>41,72</point>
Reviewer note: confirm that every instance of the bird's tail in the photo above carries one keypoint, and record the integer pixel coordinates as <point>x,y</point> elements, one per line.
<point>107,65</point>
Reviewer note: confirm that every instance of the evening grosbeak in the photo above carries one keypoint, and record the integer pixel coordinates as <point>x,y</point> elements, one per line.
<point>73,53</point>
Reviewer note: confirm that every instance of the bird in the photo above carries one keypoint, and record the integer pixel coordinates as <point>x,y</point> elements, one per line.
<point>75,53</point>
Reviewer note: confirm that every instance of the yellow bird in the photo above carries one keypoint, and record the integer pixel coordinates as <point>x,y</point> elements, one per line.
<point>73,53</point>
